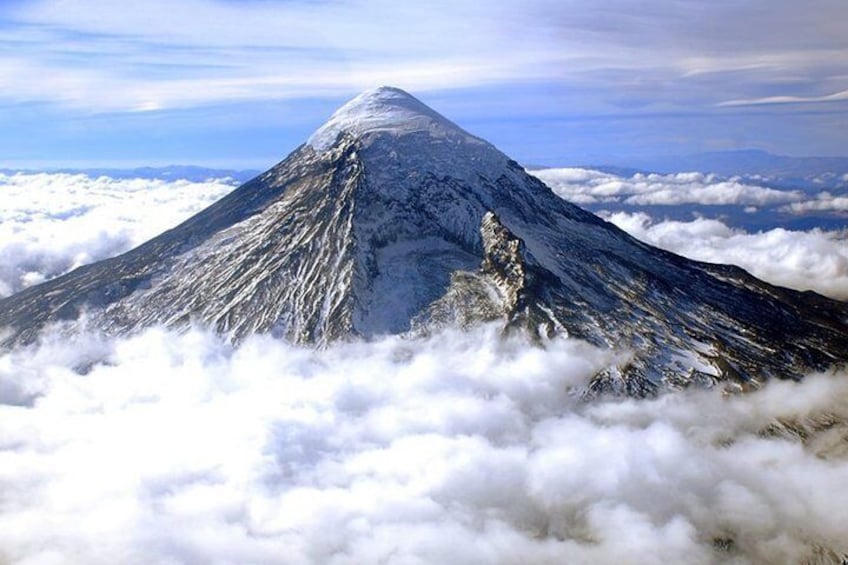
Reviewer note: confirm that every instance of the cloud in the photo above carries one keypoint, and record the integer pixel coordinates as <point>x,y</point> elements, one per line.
<point>805,260</point>
<point>51,223</point>
<point>458,448</point>
<point>579,81</point>
<point>211,52</point>
<point>587,186</point>
<point>835,97</point>
<point>824,202</point>
<point>205,52</point>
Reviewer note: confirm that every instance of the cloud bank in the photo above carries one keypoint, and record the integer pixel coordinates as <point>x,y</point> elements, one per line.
<point>824,202</point>
<point>587,186</point>
<point>51,223</point>
<point>458,448</point>
<point>811,260</point>
<point>805,260</point>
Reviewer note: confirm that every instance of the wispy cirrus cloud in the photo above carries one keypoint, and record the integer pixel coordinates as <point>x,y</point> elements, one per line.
<point>164,55</point>
<point>201,52</point>
<point>835,97</point>
<point>649,76</point>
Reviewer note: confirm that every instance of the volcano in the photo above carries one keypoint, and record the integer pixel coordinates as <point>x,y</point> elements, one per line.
<point>391,219</point>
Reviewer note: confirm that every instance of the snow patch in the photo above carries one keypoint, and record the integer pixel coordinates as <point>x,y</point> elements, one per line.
<point>385,109</point>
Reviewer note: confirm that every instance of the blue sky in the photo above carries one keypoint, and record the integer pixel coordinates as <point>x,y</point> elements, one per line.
<point>241,83</point>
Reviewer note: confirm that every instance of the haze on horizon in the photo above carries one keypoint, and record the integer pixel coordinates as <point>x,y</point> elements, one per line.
<point>240,84</point>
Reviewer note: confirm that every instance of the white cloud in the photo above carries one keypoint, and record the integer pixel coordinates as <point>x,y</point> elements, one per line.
<point>202,52</point>
<point>459,448</point>
<point>52,223</point>
<point>834,97</point>
<point>586,186</point>
<point>199,52</point>
<point>812,260</point>
<point>824,202</point>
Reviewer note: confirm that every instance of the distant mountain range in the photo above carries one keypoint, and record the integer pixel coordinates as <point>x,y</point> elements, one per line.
<point>744,162</point>
<point>805,173</point>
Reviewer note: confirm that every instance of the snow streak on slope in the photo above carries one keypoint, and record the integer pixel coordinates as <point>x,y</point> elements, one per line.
<point>459,448</point>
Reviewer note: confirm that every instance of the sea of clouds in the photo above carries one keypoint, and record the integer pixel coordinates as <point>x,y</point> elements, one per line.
<point>51,223</point>
<point>462,447</point>
<point>589,186</point>
<point>805,260</point>
<point>814,259</point>
<point>458,448</point>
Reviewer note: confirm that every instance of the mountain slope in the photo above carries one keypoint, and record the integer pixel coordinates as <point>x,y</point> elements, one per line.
<point>391,218</point>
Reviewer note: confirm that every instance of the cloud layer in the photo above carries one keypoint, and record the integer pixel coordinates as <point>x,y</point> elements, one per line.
<point>51,223</point>
<point>824,202</point>
<point>587,186</point>
<point>805,260</point>
<point>459,448</point>
<point>812,260</point>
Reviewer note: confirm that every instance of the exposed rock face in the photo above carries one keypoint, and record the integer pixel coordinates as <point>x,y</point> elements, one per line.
<point>392,219</point>
<point>502,288</point>
<point>503,260</point>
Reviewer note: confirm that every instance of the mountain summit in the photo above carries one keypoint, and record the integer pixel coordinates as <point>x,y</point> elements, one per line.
<point>392,219</point>
<point>389,110</point>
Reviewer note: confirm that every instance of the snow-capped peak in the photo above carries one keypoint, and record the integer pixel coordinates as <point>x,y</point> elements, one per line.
<point>385,109</point>
<point>406,222</point>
